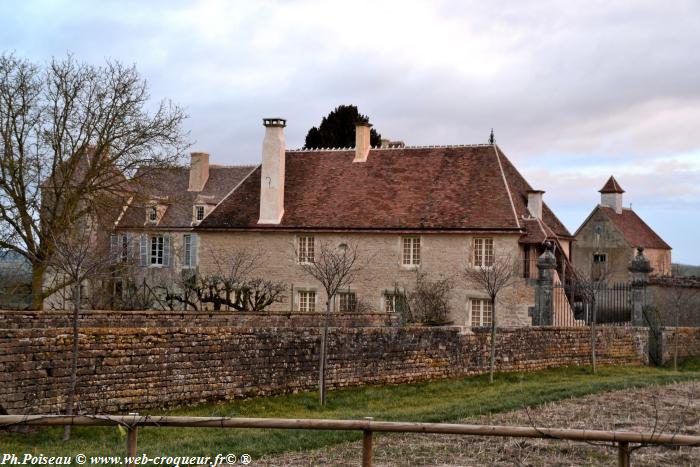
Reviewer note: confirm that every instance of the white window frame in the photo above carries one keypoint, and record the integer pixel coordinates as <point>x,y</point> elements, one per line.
<point>483,254</point>
<point>156,254</point>
<point>305,245</point>
<point>410,251</point>
<point>306,300</point>
<point>389,300</point>
<point>478,308</point>
<point>197,209</point>
<point>347,294</point>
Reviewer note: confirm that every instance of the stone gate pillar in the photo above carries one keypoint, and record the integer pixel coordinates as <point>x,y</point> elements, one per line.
<point>544,293</point>
<point>640,269</point>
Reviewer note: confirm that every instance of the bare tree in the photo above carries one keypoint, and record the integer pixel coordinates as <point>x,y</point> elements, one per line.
<point>429,300</point>
<point>335,268</point>
<point>493,279</point>
<point>682,299</point>
<point>70,135</point>
<point>75,259</point>
<point>588,287</point>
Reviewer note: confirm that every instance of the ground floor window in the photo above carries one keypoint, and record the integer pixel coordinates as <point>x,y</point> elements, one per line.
<point>307,300</point>
<point>157,250</point>
<point>347,301</point>
<point>394,301</point>
<point>481,312</point>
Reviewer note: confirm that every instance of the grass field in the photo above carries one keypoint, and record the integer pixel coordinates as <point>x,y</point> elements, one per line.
<point>435,401</point>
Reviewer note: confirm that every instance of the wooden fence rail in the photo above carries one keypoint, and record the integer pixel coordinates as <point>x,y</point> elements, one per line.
<point>367,426</point>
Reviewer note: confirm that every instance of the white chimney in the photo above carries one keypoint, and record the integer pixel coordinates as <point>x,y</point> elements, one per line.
<point>199,171</point>
<point>362,141</point>
<point>272,176</point>
<point>534,203</point>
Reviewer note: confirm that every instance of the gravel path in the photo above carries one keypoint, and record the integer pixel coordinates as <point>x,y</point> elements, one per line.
<point>672,408</point>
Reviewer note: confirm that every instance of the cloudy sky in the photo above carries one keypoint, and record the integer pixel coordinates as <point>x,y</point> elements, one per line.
<point>576,91</point>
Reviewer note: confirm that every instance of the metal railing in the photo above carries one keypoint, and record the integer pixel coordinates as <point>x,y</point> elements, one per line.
<point>622,439</point>
<point>613,304</point>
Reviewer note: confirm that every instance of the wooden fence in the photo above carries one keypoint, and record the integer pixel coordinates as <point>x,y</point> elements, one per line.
<point>622,439</point>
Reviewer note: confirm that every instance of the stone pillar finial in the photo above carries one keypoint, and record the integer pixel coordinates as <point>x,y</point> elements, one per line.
<point>640,267</point>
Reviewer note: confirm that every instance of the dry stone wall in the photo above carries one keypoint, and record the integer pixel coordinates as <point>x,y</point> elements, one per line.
<point>128,369</point>
<point>11,319</point>
<point>688,340</point>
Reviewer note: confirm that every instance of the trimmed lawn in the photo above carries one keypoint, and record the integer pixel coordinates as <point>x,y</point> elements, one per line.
<point>434,401</point>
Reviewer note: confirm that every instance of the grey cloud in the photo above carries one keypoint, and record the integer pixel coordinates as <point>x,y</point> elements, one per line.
<point>557,80</point>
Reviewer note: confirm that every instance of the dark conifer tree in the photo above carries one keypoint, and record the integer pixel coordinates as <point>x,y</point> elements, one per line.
<point>337,130</point>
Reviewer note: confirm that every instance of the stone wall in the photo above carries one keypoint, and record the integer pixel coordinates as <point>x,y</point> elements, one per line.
<point>127,369</point>
<point>677,300</point>
<point>11,319</point>
<point>688,343</point>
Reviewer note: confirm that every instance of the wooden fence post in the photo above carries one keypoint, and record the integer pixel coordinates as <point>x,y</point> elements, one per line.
<point>367,446</point>
<point>623,454</point>
<point>131,439</point>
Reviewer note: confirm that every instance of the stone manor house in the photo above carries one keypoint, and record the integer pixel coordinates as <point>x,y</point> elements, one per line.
<point>436,209</point>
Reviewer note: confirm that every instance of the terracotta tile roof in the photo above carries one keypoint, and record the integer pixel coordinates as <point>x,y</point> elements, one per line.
<point>634,229</point>
<point>611,186</point>
<point>168,186</point>
<point>442,188</point>
<point>519,189</point>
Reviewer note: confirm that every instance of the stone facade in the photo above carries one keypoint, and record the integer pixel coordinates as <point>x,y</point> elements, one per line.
<point>677,300</point>
<point>127,369</point>
<point>600,236</point>
<point>688,343</point>
<point>441,255</point>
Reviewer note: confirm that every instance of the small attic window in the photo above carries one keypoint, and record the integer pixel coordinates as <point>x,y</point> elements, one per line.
<point>198,213</point>
<point>153,214</point>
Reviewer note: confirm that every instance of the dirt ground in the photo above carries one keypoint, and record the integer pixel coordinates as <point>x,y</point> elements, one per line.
<point>671,409</point>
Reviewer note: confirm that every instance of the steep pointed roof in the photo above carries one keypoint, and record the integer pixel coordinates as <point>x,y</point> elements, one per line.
<point>611,186</point>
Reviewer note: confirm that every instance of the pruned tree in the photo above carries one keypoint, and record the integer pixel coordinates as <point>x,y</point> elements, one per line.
<point>231,285</point>
<point>334,267</point>
<point>493,278</point>
<point>70,136</point>
<point>337,130</point>
<point>74,260</point>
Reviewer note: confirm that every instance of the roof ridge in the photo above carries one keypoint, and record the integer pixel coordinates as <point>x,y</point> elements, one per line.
<point>428,146</point>
<point>222,166</point>
<point>505,182</point>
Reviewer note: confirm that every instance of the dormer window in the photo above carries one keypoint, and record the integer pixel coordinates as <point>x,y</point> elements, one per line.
<point>153,214</point>
<point>198,213</point>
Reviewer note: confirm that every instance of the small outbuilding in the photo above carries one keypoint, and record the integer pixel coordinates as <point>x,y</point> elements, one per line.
<point>609,237</point>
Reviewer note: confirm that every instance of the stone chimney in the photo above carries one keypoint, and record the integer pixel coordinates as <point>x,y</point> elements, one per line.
<point>534,203</point>
<point>362,141</point>
<point>611,195</point>
<point>199,171</point>
<point>272,176</point>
